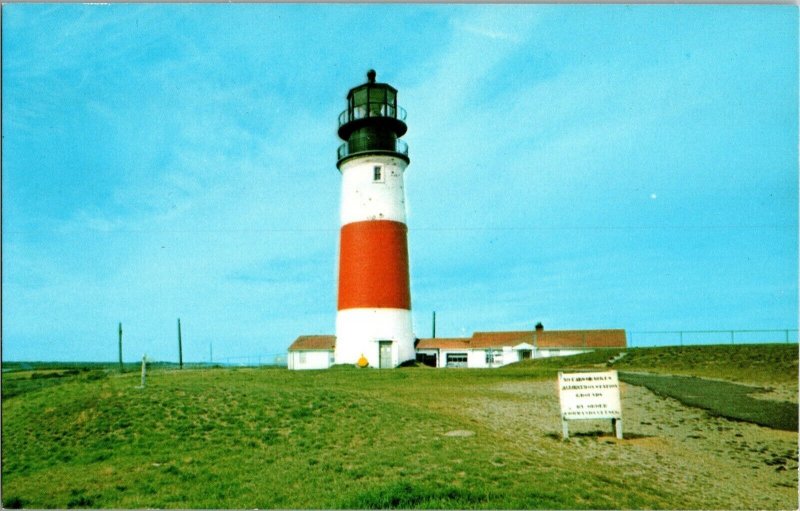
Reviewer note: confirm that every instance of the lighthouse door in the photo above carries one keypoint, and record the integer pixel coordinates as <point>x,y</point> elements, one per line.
<point>385,351</point>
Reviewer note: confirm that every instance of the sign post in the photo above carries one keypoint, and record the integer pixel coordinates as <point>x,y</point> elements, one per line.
<point>586,396</point>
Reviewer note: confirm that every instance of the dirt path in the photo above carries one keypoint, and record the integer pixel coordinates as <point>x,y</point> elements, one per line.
<point>718,463</point>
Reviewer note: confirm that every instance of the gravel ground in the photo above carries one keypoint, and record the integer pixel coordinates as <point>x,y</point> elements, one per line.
<point>717,463</point>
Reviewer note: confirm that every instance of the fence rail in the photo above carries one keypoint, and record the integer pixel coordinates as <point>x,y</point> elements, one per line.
<point>704,337</point>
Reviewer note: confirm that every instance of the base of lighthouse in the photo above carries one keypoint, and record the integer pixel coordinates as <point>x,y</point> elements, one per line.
<point>383,336</point>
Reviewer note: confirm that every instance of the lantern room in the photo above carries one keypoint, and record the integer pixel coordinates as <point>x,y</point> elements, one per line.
<point>372,122</point>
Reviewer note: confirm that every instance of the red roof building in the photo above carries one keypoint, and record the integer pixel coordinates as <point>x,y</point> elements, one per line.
<point>483,349</point>
<point>313,343</point>
<point>538,339</point>
<point>494,349</point>
<point>311,352</point>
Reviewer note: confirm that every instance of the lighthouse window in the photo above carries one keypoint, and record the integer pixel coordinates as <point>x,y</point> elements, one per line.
<point>360,104</point>
<point>377,99</point>
<point>377,173</point>
<point>360,97</point>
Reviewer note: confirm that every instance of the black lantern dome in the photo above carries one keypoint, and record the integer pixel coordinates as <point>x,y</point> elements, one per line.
<point>372,122</point>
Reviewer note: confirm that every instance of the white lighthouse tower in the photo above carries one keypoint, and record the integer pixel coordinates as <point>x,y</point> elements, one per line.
<point>373,321</point>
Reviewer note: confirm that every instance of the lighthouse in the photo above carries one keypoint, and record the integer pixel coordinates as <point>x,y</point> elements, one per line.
<point>373,320</point>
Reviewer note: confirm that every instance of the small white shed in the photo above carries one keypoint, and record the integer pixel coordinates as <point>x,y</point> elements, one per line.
<point>312,352</point>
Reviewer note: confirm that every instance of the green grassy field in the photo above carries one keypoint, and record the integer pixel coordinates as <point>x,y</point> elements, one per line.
<point>757,364</point>
<point>272,438</point>
<point>720,398</point>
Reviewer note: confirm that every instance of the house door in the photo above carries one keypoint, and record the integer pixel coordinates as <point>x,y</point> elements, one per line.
<point>426,359</point>
<point>385,352</point>
<point>524,354</point>
<point>456,360</point>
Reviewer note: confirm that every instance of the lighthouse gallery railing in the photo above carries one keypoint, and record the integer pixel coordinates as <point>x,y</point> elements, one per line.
<point>357,145</point>
<point>372,110</point>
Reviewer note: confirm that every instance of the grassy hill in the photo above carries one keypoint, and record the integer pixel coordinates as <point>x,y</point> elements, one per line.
<point>757,364</point>
<point>345,438</point>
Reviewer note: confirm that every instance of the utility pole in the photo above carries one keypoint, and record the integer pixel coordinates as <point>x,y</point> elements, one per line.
<point>180,345</point>
<point>121,369</point>
<point>434,325</point>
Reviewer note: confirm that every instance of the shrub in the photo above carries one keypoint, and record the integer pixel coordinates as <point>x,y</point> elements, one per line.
<point>13,502</point>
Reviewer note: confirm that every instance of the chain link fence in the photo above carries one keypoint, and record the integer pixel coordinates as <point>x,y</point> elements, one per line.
<point>643,339</point>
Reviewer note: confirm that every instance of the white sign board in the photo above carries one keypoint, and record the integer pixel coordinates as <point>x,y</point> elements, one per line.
<point>589,395</point>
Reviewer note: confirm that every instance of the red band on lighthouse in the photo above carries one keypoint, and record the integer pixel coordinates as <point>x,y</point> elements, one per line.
<point>373,265</point>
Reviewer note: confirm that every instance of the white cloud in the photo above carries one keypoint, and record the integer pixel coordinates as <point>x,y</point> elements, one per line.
<point>487,32</point>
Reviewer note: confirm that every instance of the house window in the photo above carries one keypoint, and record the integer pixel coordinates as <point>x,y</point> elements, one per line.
<point>456,360</point>
<point>331,359</point>
<point>494,357</point>
<point>302,357</point>
<point>377,174</point>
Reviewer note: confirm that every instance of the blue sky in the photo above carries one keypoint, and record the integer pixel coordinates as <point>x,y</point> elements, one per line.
<point>588,166</point>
